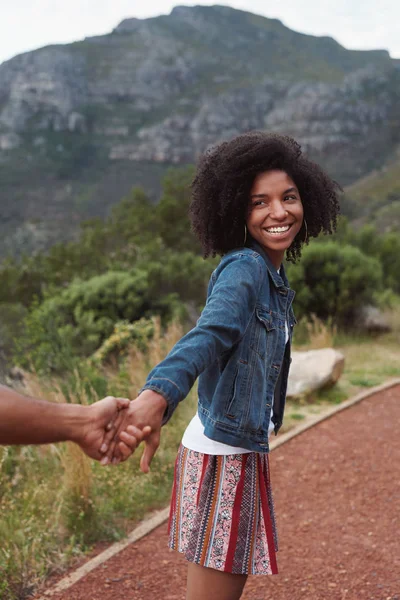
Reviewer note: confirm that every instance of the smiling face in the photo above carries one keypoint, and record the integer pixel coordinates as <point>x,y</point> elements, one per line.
<point>275,213</point>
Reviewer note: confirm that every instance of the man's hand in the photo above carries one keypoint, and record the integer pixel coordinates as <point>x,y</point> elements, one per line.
<point>26,420</point>
<point>103,420</point>
<point>147,410</point>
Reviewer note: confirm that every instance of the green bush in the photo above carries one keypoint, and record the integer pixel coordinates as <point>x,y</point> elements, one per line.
<point>76,321</point>
<point>124,335</point>
<point>333,281</point>
<point>389,255</point>
<point>383,246</point>
<point>20,281</point>
<point>173,211</point>
<point>183,273</point>
<point>12,317</point>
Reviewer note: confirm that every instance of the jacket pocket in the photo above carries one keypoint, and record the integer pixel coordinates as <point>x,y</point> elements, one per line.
<point>265,318</point>
<point>264,334</point>
<point>234,403</point>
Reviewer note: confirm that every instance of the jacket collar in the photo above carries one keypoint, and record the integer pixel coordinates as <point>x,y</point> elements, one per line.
<point>279,279</point>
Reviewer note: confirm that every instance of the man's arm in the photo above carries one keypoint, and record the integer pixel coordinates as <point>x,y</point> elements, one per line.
<point>25,420</point>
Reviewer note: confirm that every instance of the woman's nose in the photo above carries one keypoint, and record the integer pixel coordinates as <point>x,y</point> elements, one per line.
<point>278,210</point>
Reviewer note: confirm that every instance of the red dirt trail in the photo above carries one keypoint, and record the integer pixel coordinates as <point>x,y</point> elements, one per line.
<point>337,499</point>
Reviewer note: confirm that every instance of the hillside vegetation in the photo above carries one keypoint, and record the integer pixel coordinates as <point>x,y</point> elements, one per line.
<point>376,197</point>
<point>90,298</point>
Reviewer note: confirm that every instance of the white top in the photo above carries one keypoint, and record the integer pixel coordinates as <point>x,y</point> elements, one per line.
<point>194,438</point>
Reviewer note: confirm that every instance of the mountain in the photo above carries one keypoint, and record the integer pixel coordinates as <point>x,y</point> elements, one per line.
<point>80,124</point>
<point>376,197</point>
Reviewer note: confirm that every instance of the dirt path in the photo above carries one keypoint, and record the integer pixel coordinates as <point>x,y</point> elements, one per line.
<point>337,497</point>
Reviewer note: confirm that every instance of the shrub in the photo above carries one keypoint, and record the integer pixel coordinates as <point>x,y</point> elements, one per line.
<point>372,242</point>
<point>76,321</point>
<point>124,335</point>
<point>174,208</point>
<point>389,255</point>
<point>333,281</point>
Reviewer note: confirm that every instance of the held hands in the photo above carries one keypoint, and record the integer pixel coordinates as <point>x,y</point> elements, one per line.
<point>102,420</point>
<point>140,421</point>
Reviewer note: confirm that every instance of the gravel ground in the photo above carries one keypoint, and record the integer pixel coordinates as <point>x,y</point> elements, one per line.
<point>337,497</point>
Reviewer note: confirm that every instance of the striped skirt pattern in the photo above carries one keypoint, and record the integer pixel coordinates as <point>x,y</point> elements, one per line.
<point>222,513</point>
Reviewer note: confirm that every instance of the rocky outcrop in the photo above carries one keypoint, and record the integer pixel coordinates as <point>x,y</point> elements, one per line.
<point>44,88</point>
<point>160,91</point>
<point>204,70</point>
<point>322,116</point>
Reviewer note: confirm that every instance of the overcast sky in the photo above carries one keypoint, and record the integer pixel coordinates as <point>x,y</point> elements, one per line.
<point>357,24</point>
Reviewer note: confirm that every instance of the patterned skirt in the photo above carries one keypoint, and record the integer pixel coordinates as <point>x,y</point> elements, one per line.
<point>222,513</point>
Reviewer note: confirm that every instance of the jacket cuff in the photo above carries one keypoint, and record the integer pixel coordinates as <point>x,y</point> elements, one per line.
<point>169,390</point>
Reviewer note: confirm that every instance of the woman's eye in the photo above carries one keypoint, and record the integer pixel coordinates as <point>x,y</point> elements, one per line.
<point>291,197</point>
<point>258,202</point>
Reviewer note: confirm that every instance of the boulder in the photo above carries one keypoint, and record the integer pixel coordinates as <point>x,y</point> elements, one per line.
<point>313,370</point>
<point>372,320</point>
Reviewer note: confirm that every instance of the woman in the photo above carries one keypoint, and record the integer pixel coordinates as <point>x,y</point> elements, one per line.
<point>255,198</point>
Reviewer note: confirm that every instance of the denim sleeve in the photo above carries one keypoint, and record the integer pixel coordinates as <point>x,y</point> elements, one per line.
<point>222,323</point>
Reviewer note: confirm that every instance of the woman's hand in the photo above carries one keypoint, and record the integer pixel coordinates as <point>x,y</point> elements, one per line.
<point>99,421</point>
<point>144,416</point>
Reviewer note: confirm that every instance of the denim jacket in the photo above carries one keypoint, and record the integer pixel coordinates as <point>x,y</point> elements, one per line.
<point>238,351</point>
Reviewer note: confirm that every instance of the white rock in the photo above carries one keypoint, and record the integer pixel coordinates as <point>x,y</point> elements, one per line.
<point>313,370</point>
<point>372,320</point>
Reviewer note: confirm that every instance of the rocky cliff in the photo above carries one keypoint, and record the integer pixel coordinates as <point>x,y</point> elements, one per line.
<point>80,124</point>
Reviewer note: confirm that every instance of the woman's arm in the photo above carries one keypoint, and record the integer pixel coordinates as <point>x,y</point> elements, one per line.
<point>221,325</point>
<point>223,322</point>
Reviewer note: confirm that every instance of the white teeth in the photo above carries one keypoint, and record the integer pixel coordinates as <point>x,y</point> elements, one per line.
<point>278,229</point>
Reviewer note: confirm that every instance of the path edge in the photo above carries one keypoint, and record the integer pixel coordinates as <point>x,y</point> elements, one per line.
<point>159,517</point>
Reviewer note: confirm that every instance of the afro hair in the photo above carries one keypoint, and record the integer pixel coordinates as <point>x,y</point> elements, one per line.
<point>224,178</point>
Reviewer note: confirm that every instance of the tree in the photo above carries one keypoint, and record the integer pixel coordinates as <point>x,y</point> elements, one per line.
<point>173,211</point>
<point>133,221</point>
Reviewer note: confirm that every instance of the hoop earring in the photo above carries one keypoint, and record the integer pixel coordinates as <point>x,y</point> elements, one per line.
<point>245,234</point>
<point>306,228</point>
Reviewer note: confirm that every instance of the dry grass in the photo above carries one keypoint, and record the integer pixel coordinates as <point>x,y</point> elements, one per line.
<point>139,364</point>
<point>320,334</point>
<point>370,360</point>
<point>54,501</point>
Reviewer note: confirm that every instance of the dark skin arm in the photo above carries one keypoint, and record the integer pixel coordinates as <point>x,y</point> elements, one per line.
<point>26,420</point>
